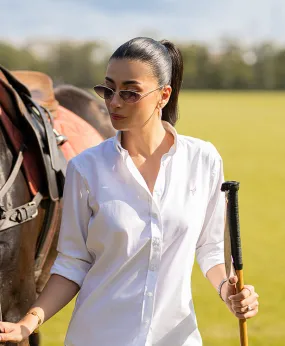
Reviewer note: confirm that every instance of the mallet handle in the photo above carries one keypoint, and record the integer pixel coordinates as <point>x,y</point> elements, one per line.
<point>231,188</point>
<point>242,323</point>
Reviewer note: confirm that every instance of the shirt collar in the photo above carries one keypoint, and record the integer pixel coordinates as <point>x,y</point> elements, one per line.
<point>117,142</point>
<point>167,126</point>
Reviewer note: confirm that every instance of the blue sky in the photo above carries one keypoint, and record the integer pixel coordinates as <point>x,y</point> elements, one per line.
<point>116,21</point>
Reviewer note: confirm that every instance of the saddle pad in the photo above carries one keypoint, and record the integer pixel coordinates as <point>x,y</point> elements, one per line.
<point>40,86</point>
<point>80,134</point>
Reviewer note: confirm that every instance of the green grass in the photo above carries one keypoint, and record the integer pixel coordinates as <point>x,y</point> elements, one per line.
<point>248,129</point>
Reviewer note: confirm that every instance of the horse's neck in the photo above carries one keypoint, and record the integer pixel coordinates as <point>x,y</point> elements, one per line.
<point>17,259</point>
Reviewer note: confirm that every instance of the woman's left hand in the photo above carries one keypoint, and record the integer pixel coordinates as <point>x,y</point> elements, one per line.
<point>244,304</point>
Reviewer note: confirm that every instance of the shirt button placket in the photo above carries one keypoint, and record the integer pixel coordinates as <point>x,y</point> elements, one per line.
<point>160,184</point>
<point>154,263</point>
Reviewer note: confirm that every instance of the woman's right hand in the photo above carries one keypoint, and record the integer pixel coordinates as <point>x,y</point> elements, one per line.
<point>13,332</point>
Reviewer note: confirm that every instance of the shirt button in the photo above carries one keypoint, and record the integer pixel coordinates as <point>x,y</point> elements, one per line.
<point>153,267</point>
<point>156,241</point>
<point>156,245</point>
<point>154,215</point>
<point>149,294</point>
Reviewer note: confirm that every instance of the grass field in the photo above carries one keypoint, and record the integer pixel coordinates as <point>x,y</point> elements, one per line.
<point>248,129</point>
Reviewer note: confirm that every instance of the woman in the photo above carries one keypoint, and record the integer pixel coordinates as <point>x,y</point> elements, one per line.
<point>137,208</point>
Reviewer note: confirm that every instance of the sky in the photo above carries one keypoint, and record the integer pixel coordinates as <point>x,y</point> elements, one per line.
<point>116,21</point>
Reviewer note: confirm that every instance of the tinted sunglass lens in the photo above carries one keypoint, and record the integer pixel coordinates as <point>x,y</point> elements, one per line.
<point>129,96</point>
<point>103,92</point>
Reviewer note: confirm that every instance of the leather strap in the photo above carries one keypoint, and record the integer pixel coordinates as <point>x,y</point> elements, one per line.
<point>14,173</point>
<point>46,238</point>
<point>18,86</point>
<point>49,135</point>
<point>54,161</point>
<point>17,216</point>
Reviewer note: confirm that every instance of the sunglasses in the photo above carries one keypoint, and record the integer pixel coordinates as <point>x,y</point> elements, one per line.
<point>127,96</point>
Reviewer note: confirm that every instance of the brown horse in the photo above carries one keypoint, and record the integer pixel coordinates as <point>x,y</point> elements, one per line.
<point>89,107</point>
<point>18,244</point>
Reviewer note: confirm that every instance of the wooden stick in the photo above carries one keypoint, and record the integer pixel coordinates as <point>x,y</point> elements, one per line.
<point>242,323</point>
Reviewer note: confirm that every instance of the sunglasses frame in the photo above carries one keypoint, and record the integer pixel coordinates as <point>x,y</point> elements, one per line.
<point>118,92</point>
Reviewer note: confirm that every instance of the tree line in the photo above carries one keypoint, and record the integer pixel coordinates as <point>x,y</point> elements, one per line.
<point>261,66</point>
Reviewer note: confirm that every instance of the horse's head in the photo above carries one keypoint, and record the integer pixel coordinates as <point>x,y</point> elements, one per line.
<point>87,106</point>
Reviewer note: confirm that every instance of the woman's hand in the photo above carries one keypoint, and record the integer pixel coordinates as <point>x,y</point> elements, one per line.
<point>243,305</point>
<point>13,332</point>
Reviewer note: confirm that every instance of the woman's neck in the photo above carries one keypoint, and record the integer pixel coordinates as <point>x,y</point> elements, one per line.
<point>147,140</point>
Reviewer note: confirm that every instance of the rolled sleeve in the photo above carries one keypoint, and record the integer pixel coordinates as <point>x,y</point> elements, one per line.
<point>210,245</point>
<point>73,260</point>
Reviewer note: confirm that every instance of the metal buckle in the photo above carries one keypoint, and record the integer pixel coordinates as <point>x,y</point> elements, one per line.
<point>36,213</point>
<point>22,213</point>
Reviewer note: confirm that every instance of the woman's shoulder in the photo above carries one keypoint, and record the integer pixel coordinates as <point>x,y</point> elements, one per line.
<point>196,146</point>
<point>90,156</point>
<point>97,150</point>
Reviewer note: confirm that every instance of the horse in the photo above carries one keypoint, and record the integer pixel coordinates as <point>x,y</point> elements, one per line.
<point>24,247</point>
<point>86,105</point>
<point>17,244</point>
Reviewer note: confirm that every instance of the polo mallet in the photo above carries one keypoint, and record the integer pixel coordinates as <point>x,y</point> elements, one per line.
<point>233,253</point>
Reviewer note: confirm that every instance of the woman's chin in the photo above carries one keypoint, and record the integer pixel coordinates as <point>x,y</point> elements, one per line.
<point>119,125</point>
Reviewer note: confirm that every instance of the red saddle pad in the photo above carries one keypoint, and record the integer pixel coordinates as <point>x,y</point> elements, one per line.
<point>80,134</point>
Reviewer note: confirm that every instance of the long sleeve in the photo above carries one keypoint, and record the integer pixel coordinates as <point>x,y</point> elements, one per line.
<point>73,260</point>
<point>210,245</point>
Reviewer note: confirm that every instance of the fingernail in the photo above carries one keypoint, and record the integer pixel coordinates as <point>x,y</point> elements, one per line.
<point>230,297</point>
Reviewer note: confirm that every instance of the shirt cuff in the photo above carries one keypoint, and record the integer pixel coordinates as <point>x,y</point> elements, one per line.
<point>71,268</point>
<point>208,258</point>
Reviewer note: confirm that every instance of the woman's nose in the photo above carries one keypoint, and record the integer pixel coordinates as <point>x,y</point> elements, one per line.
<point>116,101</point>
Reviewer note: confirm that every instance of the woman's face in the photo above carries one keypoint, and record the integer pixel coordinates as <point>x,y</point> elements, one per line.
<point>124,74</point>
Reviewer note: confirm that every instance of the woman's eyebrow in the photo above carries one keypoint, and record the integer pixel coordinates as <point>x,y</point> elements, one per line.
<point>127,82</point>
<point>110,80</point>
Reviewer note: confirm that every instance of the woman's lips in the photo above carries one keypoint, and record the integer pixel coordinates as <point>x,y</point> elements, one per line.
<point>117,116</point>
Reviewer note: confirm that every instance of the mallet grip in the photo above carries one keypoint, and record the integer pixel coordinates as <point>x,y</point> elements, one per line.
<point>231,189</point>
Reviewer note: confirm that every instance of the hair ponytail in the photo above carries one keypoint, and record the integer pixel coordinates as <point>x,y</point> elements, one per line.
<point>167,65</point>
<point>170,111</point>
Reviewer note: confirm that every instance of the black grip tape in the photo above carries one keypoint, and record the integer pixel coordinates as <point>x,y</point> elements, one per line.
<point>233,220</point>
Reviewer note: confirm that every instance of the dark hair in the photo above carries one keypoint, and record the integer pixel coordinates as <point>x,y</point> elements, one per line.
<point>167,65</point>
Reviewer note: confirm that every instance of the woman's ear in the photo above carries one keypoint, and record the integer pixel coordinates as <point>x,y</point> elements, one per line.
<point>165,96</point>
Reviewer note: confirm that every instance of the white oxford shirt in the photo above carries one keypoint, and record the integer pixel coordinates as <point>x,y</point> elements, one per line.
<point>132,252</point>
